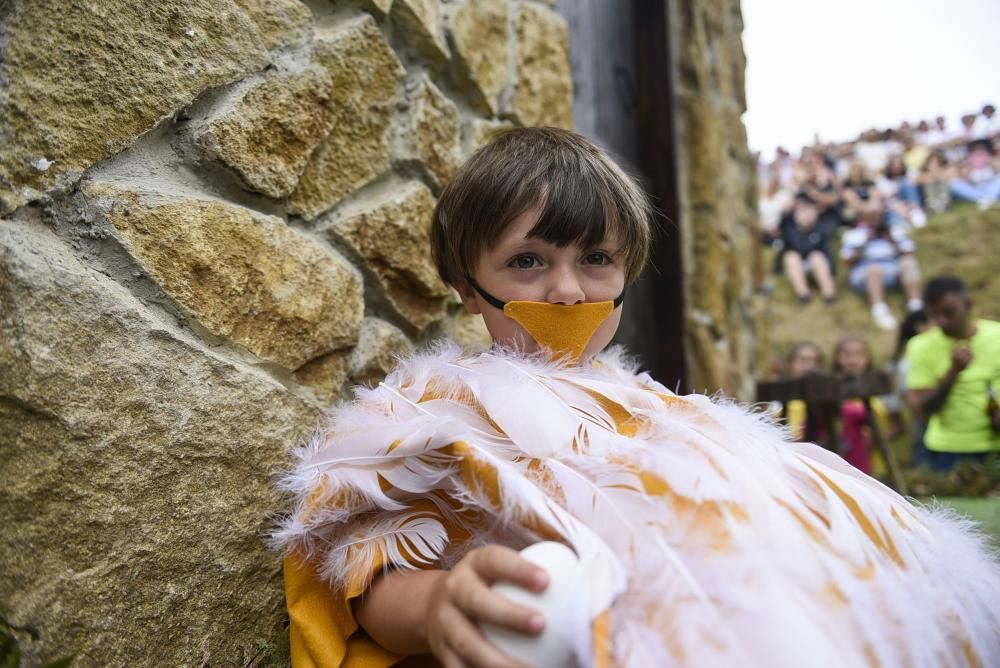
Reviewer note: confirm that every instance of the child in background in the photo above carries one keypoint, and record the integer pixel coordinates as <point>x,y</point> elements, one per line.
<point>704,538</point>
<point>806,250</point>
<point>935,182</point>
<point>803,358</point>
<point>852,356</point>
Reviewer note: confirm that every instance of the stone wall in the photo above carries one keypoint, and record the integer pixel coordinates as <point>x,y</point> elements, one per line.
<point>717,198</point>
<point>214,219</point>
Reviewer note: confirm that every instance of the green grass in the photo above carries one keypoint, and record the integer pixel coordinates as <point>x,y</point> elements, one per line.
<point>986,511</point>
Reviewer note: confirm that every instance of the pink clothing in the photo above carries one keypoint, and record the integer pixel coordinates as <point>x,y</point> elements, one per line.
<point>857,448</point>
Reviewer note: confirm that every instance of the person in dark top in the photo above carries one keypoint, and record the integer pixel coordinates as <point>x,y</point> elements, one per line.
<point>807,250</point>
<point>861,198</point>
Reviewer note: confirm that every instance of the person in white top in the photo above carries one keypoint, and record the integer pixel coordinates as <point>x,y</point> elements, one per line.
<point>987,125</point>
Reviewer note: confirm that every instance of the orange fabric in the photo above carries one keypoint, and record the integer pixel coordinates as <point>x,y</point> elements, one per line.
<point>323,631</point>
<point>564,329</point>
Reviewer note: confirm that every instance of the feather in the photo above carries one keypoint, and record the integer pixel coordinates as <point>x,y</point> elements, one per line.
<point>713,539</point>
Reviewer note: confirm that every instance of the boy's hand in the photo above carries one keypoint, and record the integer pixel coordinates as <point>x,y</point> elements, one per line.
<point>961,358</point>
<point>465,598</point>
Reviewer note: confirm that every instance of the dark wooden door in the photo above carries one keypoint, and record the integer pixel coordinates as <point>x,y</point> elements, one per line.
<point>623,100</point>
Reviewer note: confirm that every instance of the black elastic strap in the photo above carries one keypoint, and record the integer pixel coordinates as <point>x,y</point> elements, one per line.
<point>496,303</point>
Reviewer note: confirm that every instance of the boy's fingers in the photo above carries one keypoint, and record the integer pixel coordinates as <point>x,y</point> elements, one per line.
<point>481,604</point>
<point>449,659</point>
<point>468,644</point>
<point>502,563</point>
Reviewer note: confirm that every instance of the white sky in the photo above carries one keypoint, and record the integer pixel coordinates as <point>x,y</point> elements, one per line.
<point>837,67</point>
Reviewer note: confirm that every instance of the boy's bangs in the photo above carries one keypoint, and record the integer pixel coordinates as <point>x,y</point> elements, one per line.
<point>574,211</point>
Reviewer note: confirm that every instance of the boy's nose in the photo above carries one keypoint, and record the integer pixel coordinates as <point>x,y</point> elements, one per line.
<point>566,288</point>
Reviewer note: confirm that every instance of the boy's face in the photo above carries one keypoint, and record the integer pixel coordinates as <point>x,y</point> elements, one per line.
<point>519,268</point>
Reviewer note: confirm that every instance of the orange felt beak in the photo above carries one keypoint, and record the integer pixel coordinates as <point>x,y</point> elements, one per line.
<point>565,330</point>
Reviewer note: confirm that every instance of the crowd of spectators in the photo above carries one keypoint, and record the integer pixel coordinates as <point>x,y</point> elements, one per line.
<point>868,195</point>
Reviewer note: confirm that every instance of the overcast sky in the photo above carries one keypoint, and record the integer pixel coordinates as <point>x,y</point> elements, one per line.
<point>838,67</point>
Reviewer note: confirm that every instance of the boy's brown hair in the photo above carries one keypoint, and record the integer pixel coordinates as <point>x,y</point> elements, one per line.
<point>583,195</point>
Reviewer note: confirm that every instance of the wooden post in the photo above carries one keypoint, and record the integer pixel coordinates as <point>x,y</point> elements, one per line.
<point>898,481</point>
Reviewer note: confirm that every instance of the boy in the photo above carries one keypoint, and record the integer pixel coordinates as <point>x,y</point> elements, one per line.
<point>416,497</point>
<point>954,369</point>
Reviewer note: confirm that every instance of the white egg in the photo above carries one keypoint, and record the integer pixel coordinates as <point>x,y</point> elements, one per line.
<point>563,604</point>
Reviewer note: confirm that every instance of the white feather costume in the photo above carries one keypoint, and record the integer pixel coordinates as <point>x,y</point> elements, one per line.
<point>708,537</point>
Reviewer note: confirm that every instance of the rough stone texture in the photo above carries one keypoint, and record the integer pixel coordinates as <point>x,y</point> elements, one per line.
<point>83,79</point>
<point>718,210</point>
<point>543,86</point>
<point>137,475</point>
<point>391,232</point>
<point>375,355</point>
<point>478,132</point>
<point>245,277</point>
<point>326,374</point>
<point>225,189</point>
<point>269,136</point>
<point>435,131</point>
<point>380,8</point>
<point>366,79</point>
<point>469,331</point>
<point>479,32</point>
<point>419,22</point>
<point>280,22</point>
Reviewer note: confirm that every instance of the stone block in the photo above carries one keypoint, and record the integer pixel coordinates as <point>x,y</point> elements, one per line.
<point>244,276</point>
<point>137,474</point>
<point>391,231</point>
<point>477,132</point>
<point>280,22</point>
<point>478,30</point>
<point>419,23</point>
<point>83,79</point>
<point>435,131</point>
<point>543,84</point>
<point>269,136</point>
<point>375,355</point>
<point>326,374</point>
<point>366,80</point>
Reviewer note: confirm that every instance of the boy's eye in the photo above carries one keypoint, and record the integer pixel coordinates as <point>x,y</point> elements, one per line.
<point>524,262</point>
<point>598,257</point>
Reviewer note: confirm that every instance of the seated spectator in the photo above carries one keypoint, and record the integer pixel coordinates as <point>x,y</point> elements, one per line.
<point>935,181</point>
<point>873,151</point>
<point>924,135</point>
<point>902,197</point>
<point>861,197</point>
<point>939,135</point>
<point>819,184</point>
<point>953,372</point>
<point>914,155</point>
<point>773,203</point>
<point>804,357</point>
<point>881,256</point>
<point>852,356</point>
<point>978,180</point>
<point>807,250</point>
<point>987,125</point>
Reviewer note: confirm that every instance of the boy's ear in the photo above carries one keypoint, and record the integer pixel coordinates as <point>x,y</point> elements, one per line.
<point>468,295</point>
